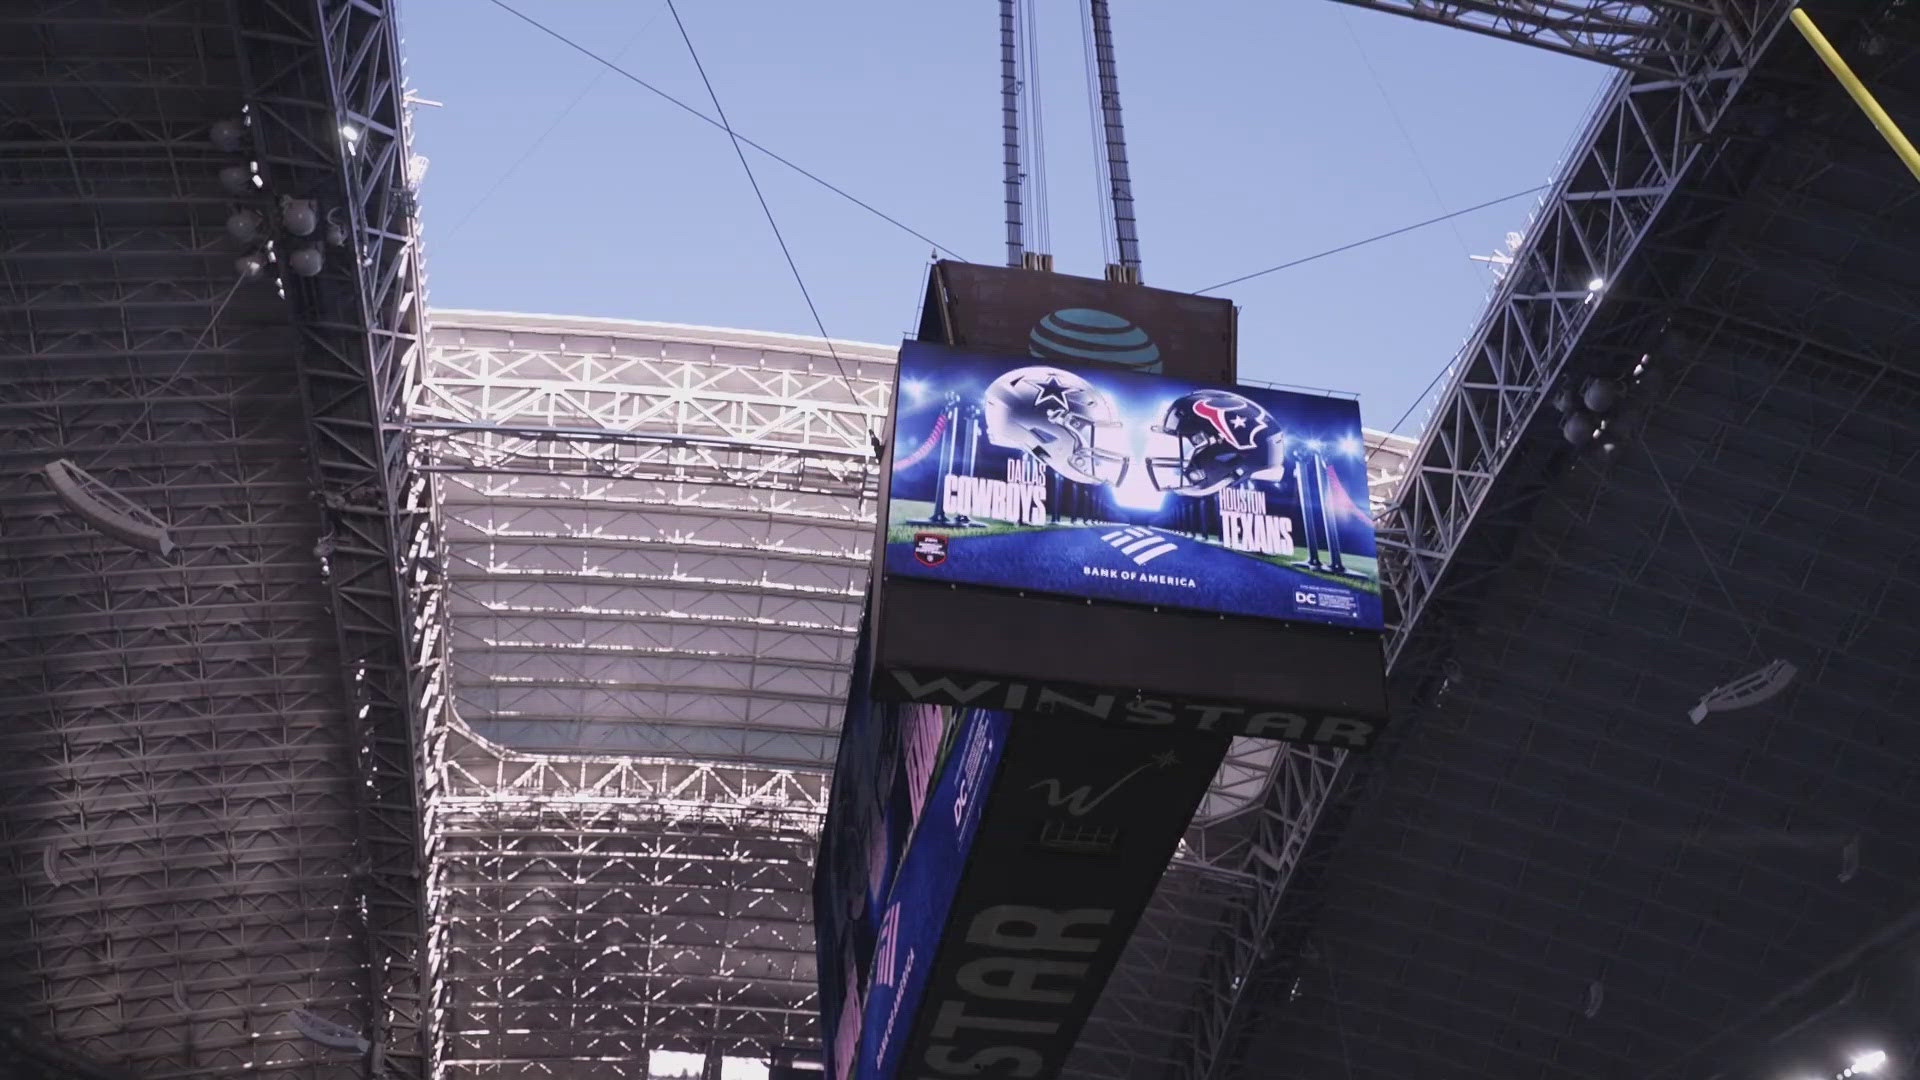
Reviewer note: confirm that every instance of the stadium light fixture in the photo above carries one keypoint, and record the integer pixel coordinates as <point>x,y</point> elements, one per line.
<point>1870,1062</point>
<point>1596,284</point>
<point>350,135</point>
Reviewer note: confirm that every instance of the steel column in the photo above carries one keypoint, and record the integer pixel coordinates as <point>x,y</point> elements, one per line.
<point>329,124</point>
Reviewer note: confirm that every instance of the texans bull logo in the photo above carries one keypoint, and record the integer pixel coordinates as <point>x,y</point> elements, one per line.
<point>1240,422</point>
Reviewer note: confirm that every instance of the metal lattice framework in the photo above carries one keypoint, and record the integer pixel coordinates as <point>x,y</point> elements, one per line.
<point>329,123</point>
<point>1556,872</point>
<point>1639,146</point>
<point>210,813</point>
<point>1656,39</point>
<point>658,539</point>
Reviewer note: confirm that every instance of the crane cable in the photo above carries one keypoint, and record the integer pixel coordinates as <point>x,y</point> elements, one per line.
<point>1102,170</point>
<point>778,237</point>
<point>1042,232</point>
<point>670,99</point>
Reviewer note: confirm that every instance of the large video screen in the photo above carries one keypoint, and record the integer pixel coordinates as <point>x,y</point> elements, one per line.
<point>1087,481</point>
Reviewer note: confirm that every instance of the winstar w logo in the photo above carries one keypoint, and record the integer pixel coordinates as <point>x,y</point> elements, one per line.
<point>1141,545</point>
<point>1081,801</point>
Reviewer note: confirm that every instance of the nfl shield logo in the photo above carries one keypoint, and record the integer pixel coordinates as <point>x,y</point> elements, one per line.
<point>930,548</point>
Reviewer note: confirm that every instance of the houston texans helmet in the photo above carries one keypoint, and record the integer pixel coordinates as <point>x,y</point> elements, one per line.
<point>1059,418</point>
<point>1222,439</point>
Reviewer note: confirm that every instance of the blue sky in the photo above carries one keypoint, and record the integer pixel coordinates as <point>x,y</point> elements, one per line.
<point>1259,131</point>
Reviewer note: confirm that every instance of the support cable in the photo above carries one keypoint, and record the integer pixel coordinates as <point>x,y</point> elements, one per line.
<point>1042,233</point>
<point>1388,235</point>
<point>150,399</point>
<point>1119,180</point>
<point>1010,132</point>
<point>765,209</point>
<point>1102,178</point>
<point>645,85</point>
<point>1406,136</point>
<point>534,146</point>
<point>1699,545</point>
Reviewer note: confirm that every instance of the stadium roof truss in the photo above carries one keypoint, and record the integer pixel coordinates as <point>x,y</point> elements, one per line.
<point>1479,896</point>
<point>223,757</point>
<point>212,783</point>
<point>1638,148</point>
<point>657,539</point>
<point>1656,40</point>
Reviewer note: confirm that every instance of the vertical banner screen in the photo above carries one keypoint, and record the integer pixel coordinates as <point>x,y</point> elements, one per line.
<point>1087,481</point>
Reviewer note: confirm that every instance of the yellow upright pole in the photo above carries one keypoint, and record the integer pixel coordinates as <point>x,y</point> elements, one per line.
<point>1858,90</point>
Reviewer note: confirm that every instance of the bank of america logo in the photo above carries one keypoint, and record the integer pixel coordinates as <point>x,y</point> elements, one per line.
<point>1141,545</point>
<point>883,960</point>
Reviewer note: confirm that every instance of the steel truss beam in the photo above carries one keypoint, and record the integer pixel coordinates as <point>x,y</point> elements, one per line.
<point>500,448</point>
<point>329,123</point>
<point>1641,144</point>
<point>594,910</point>
<point>178,825</point>
<point>1658,39</point>
<point>1643,141</point>
<point>653,544</point>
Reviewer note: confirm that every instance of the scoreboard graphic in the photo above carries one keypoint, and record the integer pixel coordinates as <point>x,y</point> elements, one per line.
<point>1085,481</point>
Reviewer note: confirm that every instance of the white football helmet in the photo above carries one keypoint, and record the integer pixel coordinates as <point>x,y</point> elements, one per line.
<point>1057,417</point>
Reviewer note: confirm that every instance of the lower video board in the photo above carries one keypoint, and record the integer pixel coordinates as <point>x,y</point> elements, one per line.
<point>1084,481</point>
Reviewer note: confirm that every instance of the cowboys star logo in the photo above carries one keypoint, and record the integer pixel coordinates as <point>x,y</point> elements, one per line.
<point>1240,422</point>
<point>1051,390</point>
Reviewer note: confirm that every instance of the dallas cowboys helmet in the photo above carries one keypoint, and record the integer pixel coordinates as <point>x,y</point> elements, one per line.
<point>1058,417</point>
<point>1222,439</point>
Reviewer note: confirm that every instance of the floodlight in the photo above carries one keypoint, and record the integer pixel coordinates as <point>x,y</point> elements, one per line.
<point>1596,284</point>
<point>228,135</point>
<point>307,261</point>
<point>299,216</point>
<point>1578,428</point>
<point>1870,1062</point>
<point>244,224</point>
<point>237,179</point>
<point>1349,446</point>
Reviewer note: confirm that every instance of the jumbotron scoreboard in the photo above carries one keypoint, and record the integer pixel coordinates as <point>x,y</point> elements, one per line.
<point>1099,560</point>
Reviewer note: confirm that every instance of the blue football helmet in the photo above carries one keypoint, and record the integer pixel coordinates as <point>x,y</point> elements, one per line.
<point>1222,440</point>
